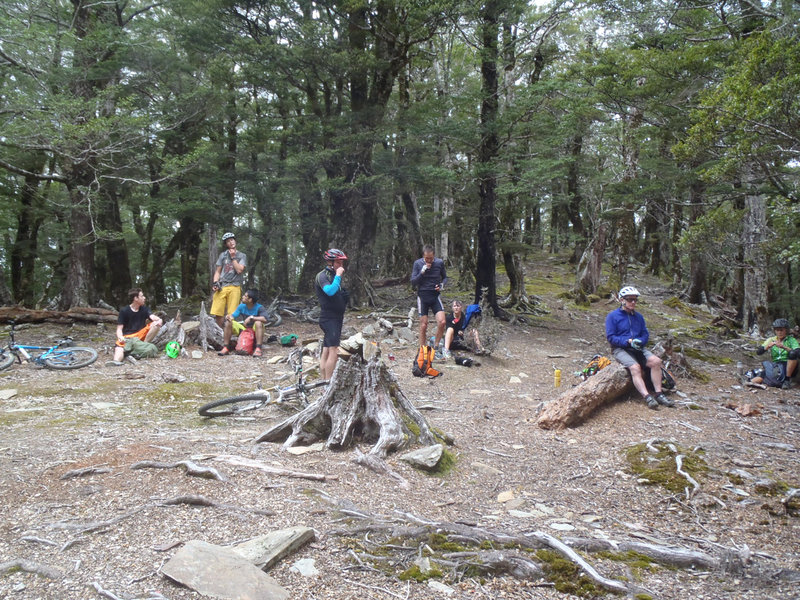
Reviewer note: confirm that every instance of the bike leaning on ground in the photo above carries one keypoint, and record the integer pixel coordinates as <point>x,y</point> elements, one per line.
<point>62,355</point>
<point>260,398</point>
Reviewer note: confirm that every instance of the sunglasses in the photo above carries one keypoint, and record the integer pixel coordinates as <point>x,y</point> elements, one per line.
<point>631,299</point>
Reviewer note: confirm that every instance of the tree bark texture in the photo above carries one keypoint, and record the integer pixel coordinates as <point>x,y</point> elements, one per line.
<point>26,315</point>
<point>590,267</point>
<point>755,318</point>
<point>363,402</point>
<point>576,404</point>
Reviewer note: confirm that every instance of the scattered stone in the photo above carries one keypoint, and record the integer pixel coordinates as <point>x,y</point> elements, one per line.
<point>7,394</point>
<point>266,550</point>
<point>221,572</point>
<point>481,392</point>
<point>197,354</point>
<point>353,344</point>
<point>514,379</point>
<point>423,563</point>
<point>275,360</point>
<point>515,503</point>
<point>173,378</point>
<point>405,334</point>
<point>522,514</point>
<point>312,347</point>
<point>189,325</point>
<point>104,405</point>
<point>440,587</point>
<point>368,331</point>
<point>306,568</point>
<point>424,458</point>
<point>562,526</point>
<point>486,469</point>
<point>504,497</point>
<point>298,450</point>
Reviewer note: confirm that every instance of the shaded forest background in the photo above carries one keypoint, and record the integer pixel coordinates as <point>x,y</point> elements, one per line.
<point>666,133</point>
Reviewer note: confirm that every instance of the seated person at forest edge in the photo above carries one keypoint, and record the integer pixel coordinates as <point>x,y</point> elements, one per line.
<point>784,352</point>
<point>134,321</point>
<point>249,314</point>
<point>628,335</point>
<point>454,332</point>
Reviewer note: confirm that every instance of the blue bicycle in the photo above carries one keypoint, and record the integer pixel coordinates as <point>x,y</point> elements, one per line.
<point>62,355</point>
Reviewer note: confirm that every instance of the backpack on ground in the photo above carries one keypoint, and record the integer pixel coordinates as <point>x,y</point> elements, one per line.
<point>138,349</point>
<point>597,363</point>
<point>421,366</point>
<point>246,342</point>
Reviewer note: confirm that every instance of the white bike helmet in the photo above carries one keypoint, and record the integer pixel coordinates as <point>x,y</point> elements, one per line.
<point>227,236</point>
<point>628,290</point>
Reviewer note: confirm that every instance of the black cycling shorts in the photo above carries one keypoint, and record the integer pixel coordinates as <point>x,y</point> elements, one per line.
<point>332,328</point>
<point>429,301</point>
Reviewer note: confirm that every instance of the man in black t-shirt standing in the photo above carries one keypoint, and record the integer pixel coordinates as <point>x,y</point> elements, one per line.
<point>134,321</point>
<point>332,301</point>
<point>428,275</point>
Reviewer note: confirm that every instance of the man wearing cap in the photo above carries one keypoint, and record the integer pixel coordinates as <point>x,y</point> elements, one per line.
<point>332,301</point>
<point>227,280</point>
<point>628,336</point>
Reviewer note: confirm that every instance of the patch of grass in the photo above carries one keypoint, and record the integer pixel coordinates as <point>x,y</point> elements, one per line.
<point>566,576</point>
<point>414,573</point>
<point>661,469</point>
<point>446,464</point>
<point>635,560</point>
<point>704,356</point>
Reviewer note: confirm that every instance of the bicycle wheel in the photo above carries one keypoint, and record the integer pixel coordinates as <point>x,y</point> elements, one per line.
<point>235,405</point>
<point>71,358</point>
<point>273,319</point>
<point>6,359</point>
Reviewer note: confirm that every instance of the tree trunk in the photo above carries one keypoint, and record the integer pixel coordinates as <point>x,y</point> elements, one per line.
<point>487,154</point>
<point>362,403</point>
<point>590,267</point>
<point>756,316</point>
<point>24,250</point>
<point>698,269</point>
<point>79,284</point>
<point>117,280</point>
<point>576,404</point>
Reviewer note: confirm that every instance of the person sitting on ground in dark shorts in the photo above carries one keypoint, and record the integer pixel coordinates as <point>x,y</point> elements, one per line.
<point>627,333</point>
<point>134,321</point>
<point>784,351</point>
<point>454,337</point>
<point>332,301</point>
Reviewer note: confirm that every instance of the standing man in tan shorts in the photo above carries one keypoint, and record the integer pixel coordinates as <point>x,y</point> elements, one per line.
<point>228,279</point>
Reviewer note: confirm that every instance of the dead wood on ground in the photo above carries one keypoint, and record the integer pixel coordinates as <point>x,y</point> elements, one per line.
<point>363,402</point>
<point>19,314</point>
<point>576,404</point>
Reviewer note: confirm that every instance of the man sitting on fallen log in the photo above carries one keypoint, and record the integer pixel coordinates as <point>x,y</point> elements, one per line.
<point>627,333</point>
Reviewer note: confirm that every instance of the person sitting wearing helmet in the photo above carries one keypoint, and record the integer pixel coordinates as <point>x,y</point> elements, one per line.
<point>333,300</point>
<point>627,333</point>
<point>784,352</point>
<point>227,279</point>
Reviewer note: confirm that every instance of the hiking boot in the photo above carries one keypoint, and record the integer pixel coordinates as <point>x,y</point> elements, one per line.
<point>787,385</point>
<point>664,401</point>
<point>114,363</point>
<point>446,354</point>
<point>224,352</point>
<point>651,402</point>
<point>130,359</point>
<point>438,355</point>
<point>257,352</point>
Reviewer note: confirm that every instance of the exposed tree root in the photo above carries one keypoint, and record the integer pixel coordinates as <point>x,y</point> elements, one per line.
<point>191,468</point>
<point>20,564</point>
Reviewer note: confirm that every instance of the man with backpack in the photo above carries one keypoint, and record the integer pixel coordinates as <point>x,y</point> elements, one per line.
<point>627,333</point>
<point>247,321</point>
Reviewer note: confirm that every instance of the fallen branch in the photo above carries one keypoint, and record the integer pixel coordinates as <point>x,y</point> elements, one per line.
<point>689,478</point>
<point>191,468</point>
<point>27,315</point>
<point>192,500</point>
<point>97,470</point>
<point>241,461</point>
<point>377,465</point>
<point>20,564</point>
<point>99,589</point>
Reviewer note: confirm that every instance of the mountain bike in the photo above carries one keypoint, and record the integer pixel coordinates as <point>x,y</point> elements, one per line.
<point>299,391</point>
<point>62,355</point>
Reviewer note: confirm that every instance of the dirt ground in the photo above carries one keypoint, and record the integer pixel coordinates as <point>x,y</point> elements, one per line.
<point>509,476</point>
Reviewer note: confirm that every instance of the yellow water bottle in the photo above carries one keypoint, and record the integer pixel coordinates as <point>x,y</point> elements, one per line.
<point>557,377</point>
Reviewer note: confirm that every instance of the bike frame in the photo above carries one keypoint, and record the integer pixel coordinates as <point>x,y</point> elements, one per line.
<point>22,350</point>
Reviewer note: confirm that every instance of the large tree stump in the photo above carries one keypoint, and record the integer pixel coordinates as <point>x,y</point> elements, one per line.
<point>363,402</point>
<point>576,404</point>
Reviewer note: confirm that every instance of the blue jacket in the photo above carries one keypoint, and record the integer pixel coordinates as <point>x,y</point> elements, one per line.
<point>622,326</point>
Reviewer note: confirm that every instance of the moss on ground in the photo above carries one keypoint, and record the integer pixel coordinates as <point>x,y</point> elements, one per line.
<point>566,576</point>
<point>660,468</point>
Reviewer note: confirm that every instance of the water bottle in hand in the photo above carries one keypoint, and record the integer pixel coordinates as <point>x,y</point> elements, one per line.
<point>636,344</point>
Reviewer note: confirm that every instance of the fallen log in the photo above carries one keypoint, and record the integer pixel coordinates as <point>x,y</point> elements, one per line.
<point>29,315</point>
<point>576,404</point>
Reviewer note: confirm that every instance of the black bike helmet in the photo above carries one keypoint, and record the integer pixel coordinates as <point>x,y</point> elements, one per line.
<point>334,254</point>
<point>780,323</point>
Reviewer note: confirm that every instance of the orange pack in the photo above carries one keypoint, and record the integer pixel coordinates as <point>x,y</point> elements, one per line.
<point>421,367</point>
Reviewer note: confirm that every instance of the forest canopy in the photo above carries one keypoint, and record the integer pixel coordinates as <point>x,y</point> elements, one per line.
<point>663,134</point>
